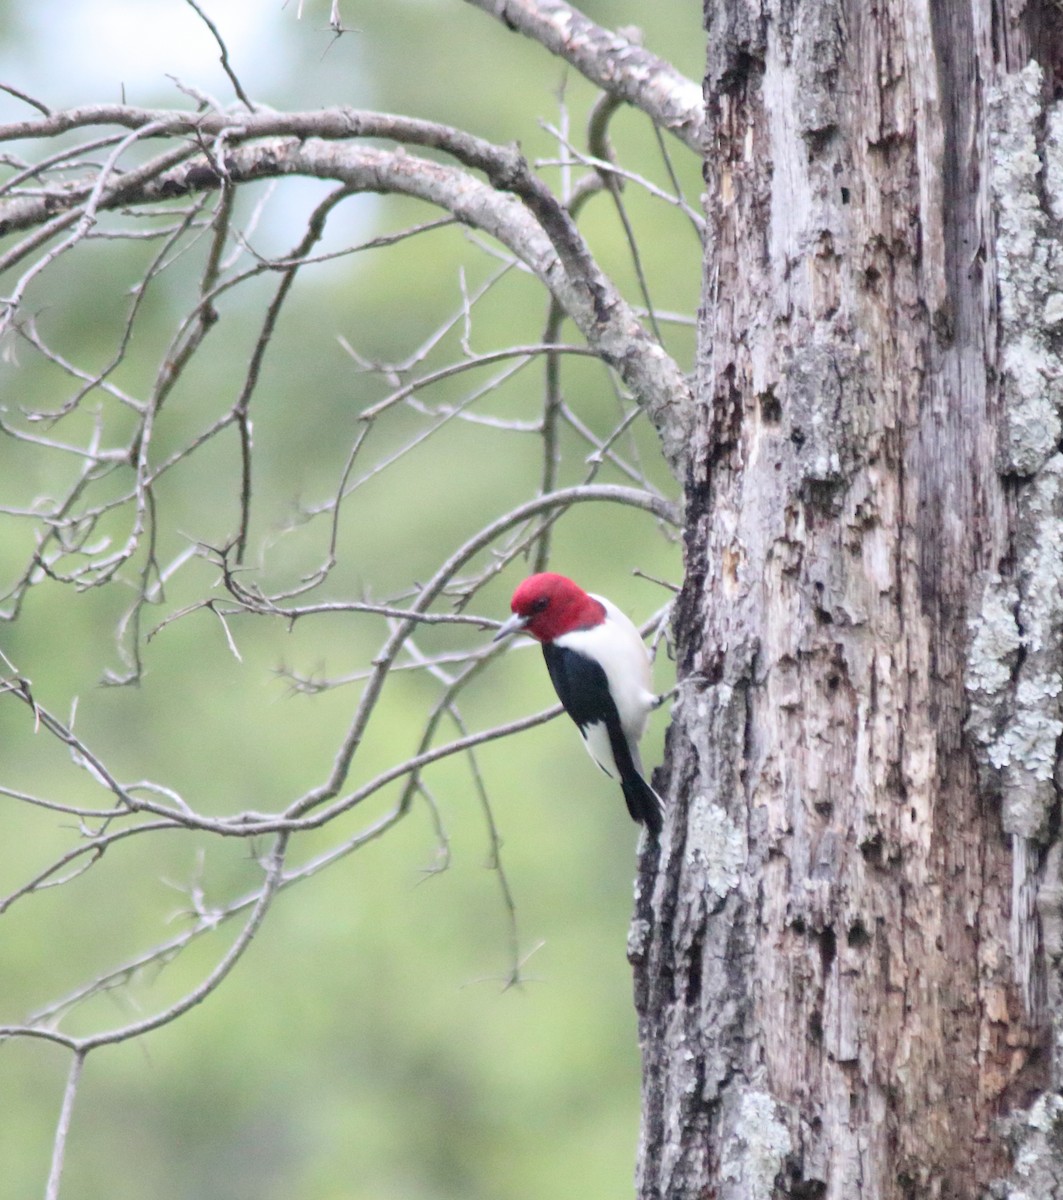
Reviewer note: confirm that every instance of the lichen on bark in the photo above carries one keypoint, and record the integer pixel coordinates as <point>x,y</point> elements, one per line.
<point>1014,670</point>
<point>1029,264</point>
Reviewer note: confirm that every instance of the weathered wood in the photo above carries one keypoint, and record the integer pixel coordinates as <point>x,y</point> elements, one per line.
<point>846,961</point>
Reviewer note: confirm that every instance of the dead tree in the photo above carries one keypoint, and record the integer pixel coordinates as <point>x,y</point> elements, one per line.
<point>847,963</point>
<point>846,947</point>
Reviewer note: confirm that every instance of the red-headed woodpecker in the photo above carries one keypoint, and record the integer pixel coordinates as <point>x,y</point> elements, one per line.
<point>600,670</point>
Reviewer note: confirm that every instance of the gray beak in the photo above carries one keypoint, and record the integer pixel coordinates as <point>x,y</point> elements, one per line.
<point>513,625</point>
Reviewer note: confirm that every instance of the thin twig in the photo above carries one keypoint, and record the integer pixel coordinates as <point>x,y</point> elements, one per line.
<point>62,1129</point>
<point>226,66</point>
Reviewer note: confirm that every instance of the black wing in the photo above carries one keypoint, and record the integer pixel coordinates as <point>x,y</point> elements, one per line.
<point>582,687</point>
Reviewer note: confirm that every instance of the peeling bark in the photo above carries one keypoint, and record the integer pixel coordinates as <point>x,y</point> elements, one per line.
<point>847,957</point>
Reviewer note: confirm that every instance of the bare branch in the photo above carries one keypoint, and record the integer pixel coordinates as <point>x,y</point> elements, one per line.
<point>37,104</point>
<point>610,325</point>
<point>55,1173</point>
<point>167,951</point>
<point>538,229</point>
<point>602,161</point>
<point>468,364</point>
<point>314,232</point>
<point>269,608</point>
<point>132,437</point>
<point>82,1045</point>
<point>610,60</point>
<point>80,754</point>
<point>224,59</point>
<point>427,594</point>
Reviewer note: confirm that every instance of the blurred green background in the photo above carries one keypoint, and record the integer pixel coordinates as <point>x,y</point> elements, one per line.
<point>365,1047</point>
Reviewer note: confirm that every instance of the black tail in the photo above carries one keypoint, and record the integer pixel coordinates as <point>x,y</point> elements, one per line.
<point>645,806</point>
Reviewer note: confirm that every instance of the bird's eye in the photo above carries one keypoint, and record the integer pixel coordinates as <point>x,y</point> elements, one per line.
<point>540,604</point>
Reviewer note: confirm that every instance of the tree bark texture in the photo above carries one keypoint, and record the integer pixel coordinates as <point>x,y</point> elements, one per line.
<point>847,952</point>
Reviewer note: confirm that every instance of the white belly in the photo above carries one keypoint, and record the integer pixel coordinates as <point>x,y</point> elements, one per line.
<point>617,646</point>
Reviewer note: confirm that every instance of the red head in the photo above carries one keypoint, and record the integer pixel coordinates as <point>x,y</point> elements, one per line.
<point>548,605</point>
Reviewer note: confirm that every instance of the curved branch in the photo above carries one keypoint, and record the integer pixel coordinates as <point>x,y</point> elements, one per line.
<point>562,263</point>
<point>539,230</point>
<point>610,325</point>
<point>660,507</point>
<point>613,62</point>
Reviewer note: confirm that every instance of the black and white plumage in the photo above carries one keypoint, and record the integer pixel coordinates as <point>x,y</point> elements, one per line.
<point>600,670</point>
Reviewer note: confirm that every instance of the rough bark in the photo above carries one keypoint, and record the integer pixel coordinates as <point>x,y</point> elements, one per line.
<point>847,954</point>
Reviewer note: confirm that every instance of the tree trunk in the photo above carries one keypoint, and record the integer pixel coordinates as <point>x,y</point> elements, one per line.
<point>847,955</point>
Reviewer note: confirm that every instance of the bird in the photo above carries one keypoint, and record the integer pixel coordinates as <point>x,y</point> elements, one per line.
<point>600,669</point>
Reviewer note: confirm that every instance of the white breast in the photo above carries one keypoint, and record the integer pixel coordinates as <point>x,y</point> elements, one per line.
<point>616,644</point>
